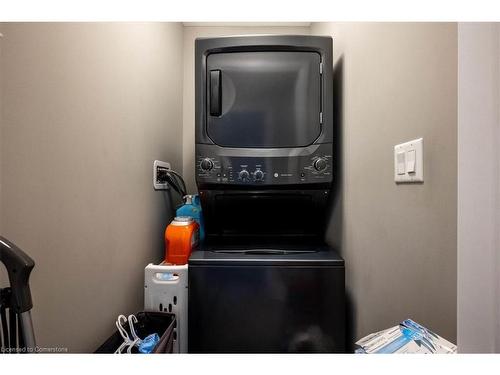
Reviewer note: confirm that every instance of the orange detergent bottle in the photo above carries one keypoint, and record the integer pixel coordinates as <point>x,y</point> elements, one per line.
<point>181,237</point>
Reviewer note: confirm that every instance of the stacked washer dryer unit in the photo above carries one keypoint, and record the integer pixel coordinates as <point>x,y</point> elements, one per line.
<point>264,281</point>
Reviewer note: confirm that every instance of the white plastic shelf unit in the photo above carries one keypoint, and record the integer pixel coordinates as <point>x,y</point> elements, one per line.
<point>166,289</point>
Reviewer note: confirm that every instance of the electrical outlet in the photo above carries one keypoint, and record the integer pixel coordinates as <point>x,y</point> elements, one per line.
<point>159,168</point>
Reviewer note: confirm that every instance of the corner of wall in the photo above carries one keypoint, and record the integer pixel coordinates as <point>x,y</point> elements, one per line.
<point>397,82</point>
<point>1,120</point>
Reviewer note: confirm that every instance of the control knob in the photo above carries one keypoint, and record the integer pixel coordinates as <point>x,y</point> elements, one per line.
<point>206,164</point>
<point>258,175</point>
<point>320,164</point>
<point>244,175</point>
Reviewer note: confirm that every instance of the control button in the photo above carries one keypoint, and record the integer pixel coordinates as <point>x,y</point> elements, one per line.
<point>244,175</point>
<point>320,164</point>
<point>206,164</point>
<point>258,175</point>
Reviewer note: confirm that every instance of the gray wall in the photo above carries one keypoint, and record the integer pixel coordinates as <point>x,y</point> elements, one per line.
<point>478,187</point>
<point>87,107</point>
<point>190,34</point>
<point>397,82</point>
<point>1,122</point>
<point>86,110</point>
<point>3,273</point>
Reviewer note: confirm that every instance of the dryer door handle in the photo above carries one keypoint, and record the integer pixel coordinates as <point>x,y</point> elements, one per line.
<point>215,92</point>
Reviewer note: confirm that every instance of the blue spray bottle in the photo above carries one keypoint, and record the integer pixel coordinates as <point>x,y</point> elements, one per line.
<point>192,208</point>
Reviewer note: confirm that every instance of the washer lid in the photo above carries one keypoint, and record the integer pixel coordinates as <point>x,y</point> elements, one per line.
<point>293,256</point>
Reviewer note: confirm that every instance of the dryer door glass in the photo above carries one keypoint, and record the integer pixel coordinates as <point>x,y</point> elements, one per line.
<point>263,99</point>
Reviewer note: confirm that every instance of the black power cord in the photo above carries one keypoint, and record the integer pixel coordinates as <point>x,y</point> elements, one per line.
<point>173,178</point>
<point>178,178</point>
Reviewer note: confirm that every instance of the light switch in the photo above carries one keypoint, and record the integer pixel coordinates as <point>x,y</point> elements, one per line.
<point>409,161</point>
<point>400,160</point>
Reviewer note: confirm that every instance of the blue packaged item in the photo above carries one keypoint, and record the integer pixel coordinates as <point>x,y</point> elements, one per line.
<point>407,337</point>
<point>148,344</point>
<point>192,208</point>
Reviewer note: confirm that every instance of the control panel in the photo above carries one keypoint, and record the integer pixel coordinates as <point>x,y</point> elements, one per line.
<point>258,169</point>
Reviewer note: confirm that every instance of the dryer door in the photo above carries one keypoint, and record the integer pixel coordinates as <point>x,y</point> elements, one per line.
<point>263,99</point>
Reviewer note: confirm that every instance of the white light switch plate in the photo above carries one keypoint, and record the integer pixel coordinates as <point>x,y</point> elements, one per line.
<point>410,167</point>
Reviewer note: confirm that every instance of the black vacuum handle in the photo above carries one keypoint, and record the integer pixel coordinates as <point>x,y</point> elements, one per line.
<point>19,266</point>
